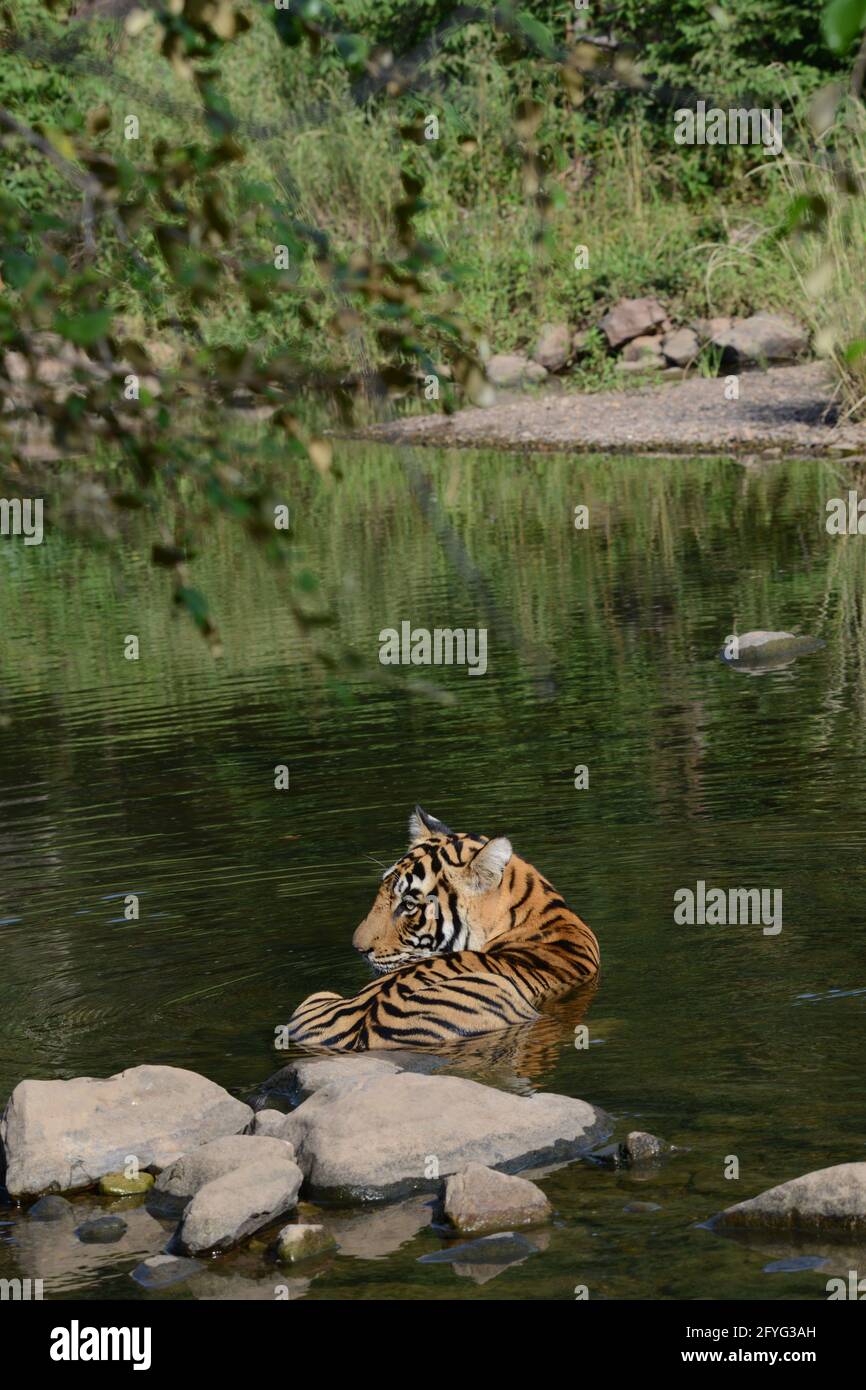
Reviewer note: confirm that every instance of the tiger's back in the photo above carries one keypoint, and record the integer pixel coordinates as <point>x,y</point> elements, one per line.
<point>467,937</point>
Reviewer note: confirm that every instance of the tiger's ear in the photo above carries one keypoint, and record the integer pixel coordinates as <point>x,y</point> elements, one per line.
<point>422,826</point>
<point>485,869</point>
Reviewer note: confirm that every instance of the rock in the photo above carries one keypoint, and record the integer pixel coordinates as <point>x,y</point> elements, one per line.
<point>480,1199</point>
<point>645,349</point>
<point>640,1147</point>
<point>381,1136</point>
<point>761,339</point>
<point>631,318</point>
<point>553,348</point>
<point>707,330</point>
<point>161,1271</point>
<point>302,1078</point>
<point>191,1173</point>
<point>765,650</point>
<point>51,1209</point>
<point>269,1123</point>
<point>296,1243</point>
<point>828,1200</point>
<point>644,364</point>
<point>63,1135</point>
<point>681,347</point>
<point>103,1230</point>
<point>235,1205</point>
<point>581,342</point>
<point>484,1258</point>
<point>514,369</point>
<point>119,1185</point>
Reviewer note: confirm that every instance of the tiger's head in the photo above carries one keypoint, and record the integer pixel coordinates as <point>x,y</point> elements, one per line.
<point>443,895</point>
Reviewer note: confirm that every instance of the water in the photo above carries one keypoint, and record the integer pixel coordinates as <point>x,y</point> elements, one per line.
<point>156,777</point>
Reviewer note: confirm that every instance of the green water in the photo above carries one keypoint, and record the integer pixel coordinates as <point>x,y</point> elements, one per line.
<point>156,777</point>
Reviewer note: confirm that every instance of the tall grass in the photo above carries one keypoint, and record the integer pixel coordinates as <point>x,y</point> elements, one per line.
<point>827,191</point>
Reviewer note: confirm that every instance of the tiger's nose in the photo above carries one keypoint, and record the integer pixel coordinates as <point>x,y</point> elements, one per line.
<point>364,938</point>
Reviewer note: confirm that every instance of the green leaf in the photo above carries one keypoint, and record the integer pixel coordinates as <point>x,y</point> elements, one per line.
<point>83,329</point>
<point>841,22</point>
<point>537,33</point>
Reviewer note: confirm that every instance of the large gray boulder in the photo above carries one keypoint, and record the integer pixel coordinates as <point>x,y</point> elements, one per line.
<point>57,1136</point>
<point>828,1200</point>
<point>631,318</point>
<point>225,1211</point>
<point>393,1134</point>
<point>762,338</point>
<point>480,1199</point>
<point>299,1079</point>
<point>202,1165</point>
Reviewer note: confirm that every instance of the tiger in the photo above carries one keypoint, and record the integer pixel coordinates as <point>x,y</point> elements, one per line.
<point>465,938</point>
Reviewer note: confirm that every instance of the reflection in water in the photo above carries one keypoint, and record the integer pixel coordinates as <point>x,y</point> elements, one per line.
<point>156,778</point>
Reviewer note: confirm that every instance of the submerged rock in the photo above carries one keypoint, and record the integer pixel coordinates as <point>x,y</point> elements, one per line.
<point>102,1230</point>
<point>394,1134</point>
<point>484,1258</point>
<point>828,1200</point>
<point>480,1199</point>
<point>64,1135</point>
<point>301,1242</point>
<point>640,1147</point>
<point>119,1185</point>
<point>764,650</point>
<point>161,1271</point>
<point>233,1206</point>
<point>51,1209</point>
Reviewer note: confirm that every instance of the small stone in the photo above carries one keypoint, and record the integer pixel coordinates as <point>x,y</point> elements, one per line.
<point>118,1185</point>
<point>553,348</point>
<point>480,1199</point>
<point>508,369</point>
<point>681,347</point>
<point>160,1271</point>
<point>647,349</point>
<point>50,1209</point>
<point>102,1230</point>
<point>630,318</point>
<point>300,1242</point>
<point>640,1147</point>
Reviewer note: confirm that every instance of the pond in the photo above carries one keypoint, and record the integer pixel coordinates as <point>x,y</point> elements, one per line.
<point>156,777</point>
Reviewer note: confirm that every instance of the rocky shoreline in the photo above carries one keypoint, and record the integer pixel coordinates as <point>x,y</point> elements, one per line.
<point>194,1172</point>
